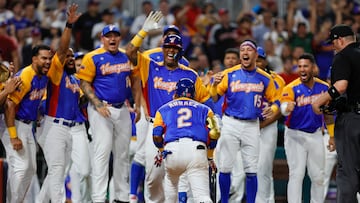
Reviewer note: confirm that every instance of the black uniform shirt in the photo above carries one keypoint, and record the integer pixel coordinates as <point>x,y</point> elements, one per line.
<point>346,66</point>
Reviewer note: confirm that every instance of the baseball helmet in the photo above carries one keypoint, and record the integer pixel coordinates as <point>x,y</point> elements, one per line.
<point>185,88</point>
<point>261,52</point>
<point>173,40</point>
<point>168,28</point>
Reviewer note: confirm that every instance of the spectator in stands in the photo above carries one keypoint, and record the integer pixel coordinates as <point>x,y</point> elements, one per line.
<point>26,50</point>
<point>222,36</point>
<point>206,19</point>
<point>265,26</point>
<point>107,19</point>
<point>83,27</point>
<point>122,16</point>
<point>278,35</point>
<point>288,74</point>
<point>4,12</point>
<point>9,46</point>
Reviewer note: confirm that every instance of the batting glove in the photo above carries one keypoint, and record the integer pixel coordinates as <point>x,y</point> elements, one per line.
<point>158,159</point>
<point>151,22</point>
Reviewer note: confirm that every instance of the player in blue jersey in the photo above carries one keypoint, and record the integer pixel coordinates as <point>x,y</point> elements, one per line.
<point>64,129</point>
<point>138,166</point>
<point>158,83</point>
<point>244,87</point>
<point>180,130</point>
<point>20,112</point>
<point>106,79</point>
<point>303,140</point>
<point>268,137</point>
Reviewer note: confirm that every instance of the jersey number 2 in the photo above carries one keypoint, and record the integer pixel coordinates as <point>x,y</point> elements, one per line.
<point>184,115</point>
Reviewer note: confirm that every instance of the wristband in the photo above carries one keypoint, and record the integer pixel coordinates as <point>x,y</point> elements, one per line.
<point>333,92</point>
<point>137,40</point>
<point>274,108</point>
<point>12,132</point>
<point>330,129</point>
<point>69,25</point>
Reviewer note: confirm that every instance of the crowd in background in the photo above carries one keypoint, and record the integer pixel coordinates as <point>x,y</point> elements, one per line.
<point>207,31</point>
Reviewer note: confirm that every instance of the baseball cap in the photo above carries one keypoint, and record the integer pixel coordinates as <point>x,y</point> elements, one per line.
<point>168,28</point>
<point>107,12</point>
<point>110,28</point>
<point>36,31</point>
<point>222,11</point>
<point>261,52</point>
<point>79,54</point>
<point>338,31</point>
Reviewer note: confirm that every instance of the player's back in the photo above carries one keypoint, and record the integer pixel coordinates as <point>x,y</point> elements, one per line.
<point>185,117</point>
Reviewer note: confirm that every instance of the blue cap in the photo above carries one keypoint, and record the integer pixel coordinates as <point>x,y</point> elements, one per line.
<point>173,28</point>
<point>110,28</point>
<point>173,40</point>
<point>185,88</point>
<point>79,54</point>
<point>261,52</point>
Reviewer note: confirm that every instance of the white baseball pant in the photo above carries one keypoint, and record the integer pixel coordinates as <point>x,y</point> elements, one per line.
<point>330,162</point>
<point>268,142</point>
<point>243,135</point>
<point>61,143</point>
<point>110,135</point>
<point>22,163</point>
<point>305,150</point>
<point>187,158</point>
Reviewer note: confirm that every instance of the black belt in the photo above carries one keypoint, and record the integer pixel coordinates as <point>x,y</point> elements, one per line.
<point>67,123</point>
<point>115,105</point>
<point>23,120</point>
<point>238,118</point>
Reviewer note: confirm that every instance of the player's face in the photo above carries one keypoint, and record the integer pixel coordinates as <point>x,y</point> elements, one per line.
<point>70,60</point>
<point>261,63</point>
<point>230,60</point>
<point>248,56</point>
<point>305,68</point>
<point>42,61</point>
<point>111,42</point>
<point>170,56</point>
<point>78,64</point>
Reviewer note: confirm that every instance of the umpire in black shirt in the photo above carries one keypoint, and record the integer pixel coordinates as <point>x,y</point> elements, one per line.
<point>345,80</point>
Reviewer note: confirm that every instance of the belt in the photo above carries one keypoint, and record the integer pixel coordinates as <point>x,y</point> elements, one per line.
<point>67,123</point>
<point>150,119</point>
<point>239,118</point>
<point>23,120</point>
<point>115,105</point>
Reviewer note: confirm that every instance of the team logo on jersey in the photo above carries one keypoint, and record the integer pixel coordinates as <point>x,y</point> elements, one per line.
<point>74,87</point>
<point>160,84</point>
<point>107,69</point>
<point>303,101</point>
<point>237,86</point>
<point>37,94</point>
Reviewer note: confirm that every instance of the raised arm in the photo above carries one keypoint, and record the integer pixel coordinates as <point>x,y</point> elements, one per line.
<point>151,23</point>
<point>73,16</point>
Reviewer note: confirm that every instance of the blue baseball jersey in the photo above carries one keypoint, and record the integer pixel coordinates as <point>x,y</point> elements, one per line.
<point>29,94</point>
<point>159,83</point>
<point>303,117</point>
<point>279,85</point>
<point>108,73</point>
<point>245,91</point>
<point>157,55</point>
<point>63,93</point>
<point>182,118</point>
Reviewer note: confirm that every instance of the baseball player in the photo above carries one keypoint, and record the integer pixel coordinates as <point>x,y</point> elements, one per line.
<point>268,137</point>
<point>64,126</point>
<point>244,87</point>
<point>158,83</point>
<point>106,80</point>
<point>179,130</point>
<point>303,140</point>
<point>232,58</point>
<point>20,112</point>
<point>138,165</point>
